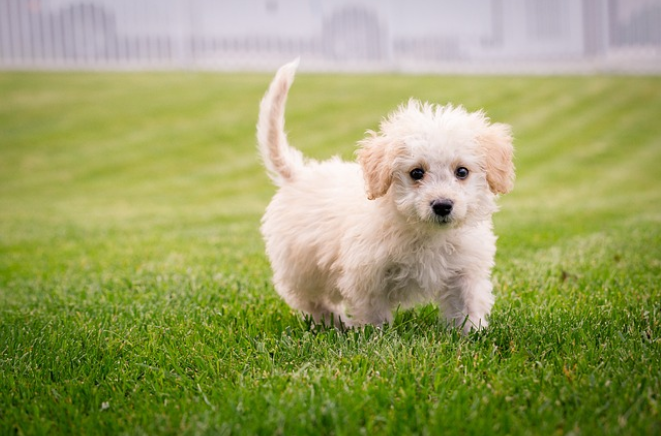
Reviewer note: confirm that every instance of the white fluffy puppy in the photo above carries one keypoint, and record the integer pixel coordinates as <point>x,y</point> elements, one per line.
<point>409,223</point>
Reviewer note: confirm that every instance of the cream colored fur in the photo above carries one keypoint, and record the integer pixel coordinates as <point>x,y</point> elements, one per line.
<point>351,242</point>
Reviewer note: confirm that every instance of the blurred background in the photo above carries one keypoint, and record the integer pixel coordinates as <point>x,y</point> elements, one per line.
<point>435,36</point>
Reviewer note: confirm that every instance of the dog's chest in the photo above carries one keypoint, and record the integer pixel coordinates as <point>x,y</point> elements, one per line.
<point>419,275</point>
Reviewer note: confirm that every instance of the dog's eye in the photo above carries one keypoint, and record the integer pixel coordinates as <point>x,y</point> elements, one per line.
<point>417,173</point>
<point>461,173</point>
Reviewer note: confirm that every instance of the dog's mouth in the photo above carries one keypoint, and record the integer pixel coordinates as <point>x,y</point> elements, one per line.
<point>443,220</point>
<point>439,221</point>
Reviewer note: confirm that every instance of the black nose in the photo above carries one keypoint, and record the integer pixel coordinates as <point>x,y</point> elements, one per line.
<point>442,207</point>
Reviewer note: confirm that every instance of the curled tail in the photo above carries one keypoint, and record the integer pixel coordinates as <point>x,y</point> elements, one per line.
<point>281,160</point>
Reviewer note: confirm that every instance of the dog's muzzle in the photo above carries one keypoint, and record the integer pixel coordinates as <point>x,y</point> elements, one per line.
<point>442,208</point>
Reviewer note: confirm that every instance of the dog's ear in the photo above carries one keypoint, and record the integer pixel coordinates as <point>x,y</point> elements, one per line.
<point>496,142</point>
<point>375,158</point>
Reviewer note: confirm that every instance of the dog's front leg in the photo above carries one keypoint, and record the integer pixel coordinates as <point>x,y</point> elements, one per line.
<point>365,299</point>
<point>373,311</point>
<point>467,302</point>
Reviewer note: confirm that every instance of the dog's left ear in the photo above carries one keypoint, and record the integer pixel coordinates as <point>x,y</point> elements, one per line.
<point>496,142</point>
<point>375,158</point>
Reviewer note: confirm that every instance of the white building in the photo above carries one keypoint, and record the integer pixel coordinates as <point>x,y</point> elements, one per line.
<point>384,35</point>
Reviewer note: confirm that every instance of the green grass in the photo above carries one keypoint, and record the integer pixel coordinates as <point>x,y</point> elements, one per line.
<point>135,296</point>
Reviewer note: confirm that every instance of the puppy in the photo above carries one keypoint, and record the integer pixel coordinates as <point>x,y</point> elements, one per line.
<point>409,223</point>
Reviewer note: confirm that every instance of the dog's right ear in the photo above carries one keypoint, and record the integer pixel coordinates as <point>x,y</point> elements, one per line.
<point>375,158</point>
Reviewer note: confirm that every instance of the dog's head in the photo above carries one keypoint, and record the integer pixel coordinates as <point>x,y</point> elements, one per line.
<point>439,164</point>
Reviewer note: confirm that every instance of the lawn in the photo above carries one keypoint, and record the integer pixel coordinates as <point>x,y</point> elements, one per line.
<point>135,296</point>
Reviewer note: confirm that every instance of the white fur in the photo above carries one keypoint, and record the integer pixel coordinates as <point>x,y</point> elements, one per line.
<point>351,242</point>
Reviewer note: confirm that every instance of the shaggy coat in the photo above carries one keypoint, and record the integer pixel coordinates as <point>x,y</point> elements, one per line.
<point>410,222</point>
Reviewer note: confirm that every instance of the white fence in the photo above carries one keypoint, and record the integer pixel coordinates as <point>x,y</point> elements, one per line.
<point>546,36</point>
